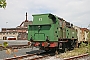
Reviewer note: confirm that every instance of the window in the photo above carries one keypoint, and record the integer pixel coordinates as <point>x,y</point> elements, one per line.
<point>19,36</point>
<point>14,33</point>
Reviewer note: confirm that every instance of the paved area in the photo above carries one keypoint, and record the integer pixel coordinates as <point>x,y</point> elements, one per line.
<point>22,51</point>
<point>14,42</point>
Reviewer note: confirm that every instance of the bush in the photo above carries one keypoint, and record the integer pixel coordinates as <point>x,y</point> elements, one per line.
<point>88,47</point>
<point>82,45</point>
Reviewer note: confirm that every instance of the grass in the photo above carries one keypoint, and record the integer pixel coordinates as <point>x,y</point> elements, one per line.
<point>77,51</point>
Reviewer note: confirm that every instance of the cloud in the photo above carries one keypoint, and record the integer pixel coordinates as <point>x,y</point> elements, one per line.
<point>74,11</point>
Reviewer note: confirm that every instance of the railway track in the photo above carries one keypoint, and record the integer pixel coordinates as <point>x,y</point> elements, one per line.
<point>43,55</point>
<point>35,56</point>
<point>40,57</point>
<point>77,57</point>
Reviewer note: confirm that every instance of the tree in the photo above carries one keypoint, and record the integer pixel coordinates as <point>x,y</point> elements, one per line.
<point>3,3</point>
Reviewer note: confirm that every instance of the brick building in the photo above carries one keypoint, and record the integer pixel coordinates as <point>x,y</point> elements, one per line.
<point>18,33</point>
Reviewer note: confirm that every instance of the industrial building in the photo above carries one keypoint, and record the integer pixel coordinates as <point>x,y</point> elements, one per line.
<point>82,34</point>
<point>18,33</point>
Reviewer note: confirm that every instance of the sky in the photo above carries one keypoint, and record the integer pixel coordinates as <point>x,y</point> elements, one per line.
<point>73,11</point>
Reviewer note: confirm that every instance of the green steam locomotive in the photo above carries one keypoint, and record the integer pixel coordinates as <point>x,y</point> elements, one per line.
<point>52,33</point>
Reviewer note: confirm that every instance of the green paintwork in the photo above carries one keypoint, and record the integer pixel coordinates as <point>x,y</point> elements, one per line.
<point>71,33</point>
<point>41,19</point>
<point>39,32</point>
<point>43,26</point>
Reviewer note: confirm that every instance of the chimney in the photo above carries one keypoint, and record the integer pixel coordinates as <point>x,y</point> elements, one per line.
<point>26,18</point>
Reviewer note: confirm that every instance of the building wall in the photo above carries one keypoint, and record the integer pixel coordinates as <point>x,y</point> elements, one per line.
<point>84,34</point>
<point>17,35</point>
<point>20,32</point>
<point>27,23</point>
<point>78,33</point>
<point>8,35</point>
<point>14,29</point>
<point>22,36</point>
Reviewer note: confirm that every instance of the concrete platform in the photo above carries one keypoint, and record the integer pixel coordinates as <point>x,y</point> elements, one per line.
<point>15,42</point>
